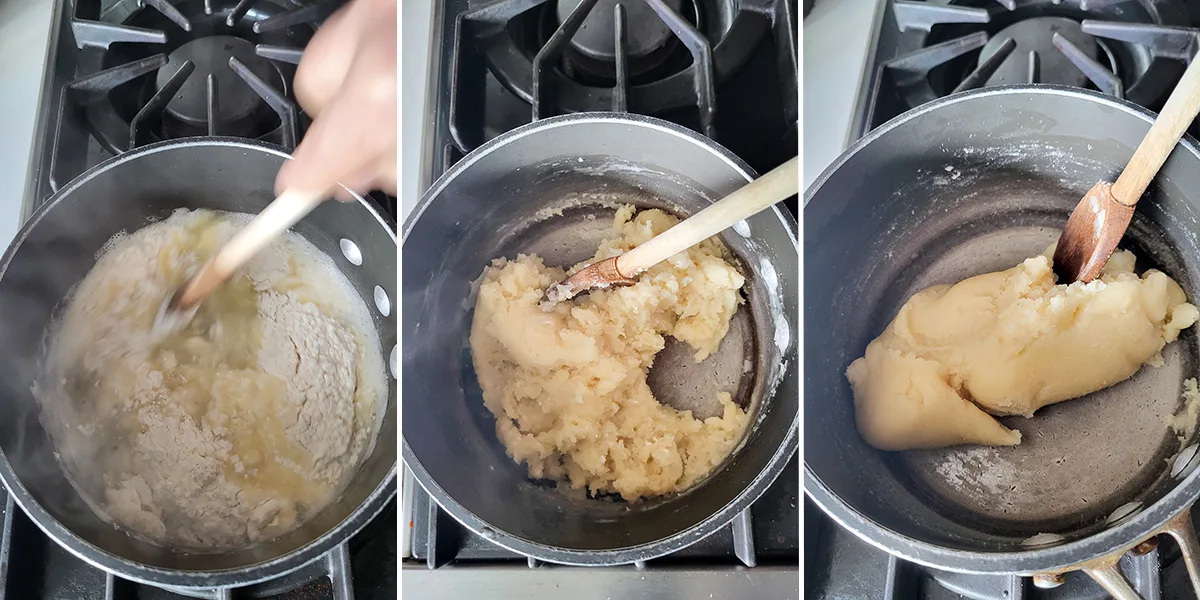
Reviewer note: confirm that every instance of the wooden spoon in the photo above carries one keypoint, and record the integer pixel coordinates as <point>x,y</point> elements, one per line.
<point>272,222</point>
<point>754,197</point>
<point>1100,219</point>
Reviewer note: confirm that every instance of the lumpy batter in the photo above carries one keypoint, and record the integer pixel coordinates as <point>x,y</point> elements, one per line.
<point>568,387</point>
<point>1009,343</point>
<point>236,428</point>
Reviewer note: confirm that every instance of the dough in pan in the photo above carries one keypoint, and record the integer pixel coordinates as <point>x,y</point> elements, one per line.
<point>1009,343</point>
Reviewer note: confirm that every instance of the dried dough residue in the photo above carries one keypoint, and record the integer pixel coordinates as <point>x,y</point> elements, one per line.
<point>1183,423</point>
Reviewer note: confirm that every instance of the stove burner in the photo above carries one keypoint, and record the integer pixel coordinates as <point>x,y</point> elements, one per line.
<point>165,69</point>
<point>545,58</point>
<point>210,55</point>
<point>1129,50</point>
<point>1036,36</point>
<point>650,49</point>
<point>645,31</point>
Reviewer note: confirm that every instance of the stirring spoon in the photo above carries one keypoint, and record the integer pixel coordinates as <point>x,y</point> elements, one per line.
<point>286,210</point>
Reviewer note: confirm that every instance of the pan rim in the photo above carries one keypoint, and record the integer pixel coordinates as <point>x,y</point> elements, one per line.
<point>775,465</point>
<point>1119,537</point>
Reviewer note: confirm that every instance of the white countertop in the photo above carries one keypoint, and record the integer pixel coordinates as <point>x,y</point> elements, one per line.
<point>416,137</point>
<point>839,44</point>
<point>24,44</point>
<point>416,43</point>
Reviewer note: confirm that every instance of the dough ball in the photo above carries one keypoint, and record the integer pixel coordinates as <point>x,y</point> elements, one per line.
<point>1009,343</point>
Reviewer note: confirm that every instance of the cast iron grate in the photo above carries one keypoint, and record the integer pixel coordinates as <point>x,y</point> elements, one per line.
<point>839,565</point>
<point>588,55</point>
<point>141,71</point>
<point>1130,50</point>
<point>33,566</point>
<point>156,69</point>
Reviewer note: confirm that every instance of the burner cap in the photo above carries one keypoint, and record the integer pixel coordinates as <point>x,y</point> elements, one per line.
<point>645,32</point>
<point>235,99</point>
<point>1037,35</point>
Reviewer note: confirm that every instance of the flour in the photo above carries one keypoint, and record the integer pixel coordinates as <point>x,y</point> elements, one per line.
<point>311,352</point>
<point>235,429</point>
<point>977,470</point>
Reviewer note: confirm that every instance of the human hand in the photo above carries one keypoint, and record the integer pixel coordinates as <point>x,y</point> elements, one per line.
<point>346,82</point>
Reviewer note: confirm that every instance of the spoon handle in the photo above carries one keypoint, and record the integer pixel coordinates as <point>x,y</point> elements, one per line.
<point>758,195</point>
<point>1178,113</point>
<point>272,222</point>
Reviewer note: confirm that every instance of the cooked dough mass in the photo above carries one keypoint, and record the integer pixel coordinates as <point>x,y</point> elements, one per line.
<point>568,387</point>
<point>1009,343</point>
<point>236,428</point>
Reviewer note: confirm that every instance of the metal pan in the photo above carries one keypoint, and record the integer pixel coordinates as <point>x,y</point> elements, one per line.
<point>58,246</point>
<point>550,188</point>
<point>973,183</point>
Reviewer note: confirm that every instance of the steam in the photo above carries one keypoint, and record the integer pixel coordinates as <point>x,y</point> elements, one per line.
<point>37,280</point>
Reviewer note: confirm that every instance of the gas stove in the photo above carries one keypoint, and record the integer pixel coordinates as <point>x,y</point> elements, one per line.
<point>121,74</point>
<point>1131,49</point>
<point>724,68</point>
<point>126,73</point>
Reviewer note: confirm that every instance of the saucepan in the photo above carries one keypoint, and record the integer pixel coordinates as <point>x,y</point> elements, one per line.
<point>55,250</point>
<point>550,188</point>
<point>967,184</point>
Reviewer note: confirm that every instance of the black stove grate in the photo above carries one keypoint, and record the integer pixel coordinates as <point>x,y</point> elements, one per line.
<point>32,566</point>
<point>699,63</point>
<point>929,49</point>
<point>154,70</point>
<point>697,45</point>
<point>839,565</point>
<point>142,71</point>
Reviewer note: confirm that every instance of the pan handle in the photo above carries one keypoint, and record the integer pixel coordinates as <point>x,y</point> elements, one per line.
<point>1109,576</point>
<point>1180,528</point>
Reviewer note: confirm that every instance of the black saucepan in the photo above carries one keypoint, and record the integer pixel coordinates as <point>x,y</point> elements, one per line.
<point>58,246</point>
<point>967,184</point>
<point>550,188</point>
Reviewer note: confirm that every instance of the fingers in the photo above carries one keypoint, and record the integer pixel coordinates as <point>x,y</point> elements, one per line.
<point>380,176</point>
<point>353,140</point>
<point>327,58</point>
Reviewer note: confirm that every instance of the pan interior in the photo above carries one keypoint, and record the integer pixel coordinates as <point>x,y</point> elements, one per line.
<point>574,220</point>
<point>951,195</point>
<point>1078,460</point>
<point>561,209</point>
<point>61,248</point>
<point>570,232</point>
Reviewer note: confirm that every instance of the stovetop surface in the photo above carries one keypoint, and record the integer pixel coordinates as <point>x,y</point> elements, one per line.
<point>126,73</point>
<point>32,567</point>
<point>109,62</point>
<point>1132,49</point>
<point>927,49</point>
<point>487,91</point>
<point>755,105</point>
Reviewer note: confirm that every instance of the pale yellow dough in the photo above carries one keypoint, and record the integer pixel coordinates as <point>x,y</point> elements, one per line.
<point>568,387</point>
<point>1009,343</point>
